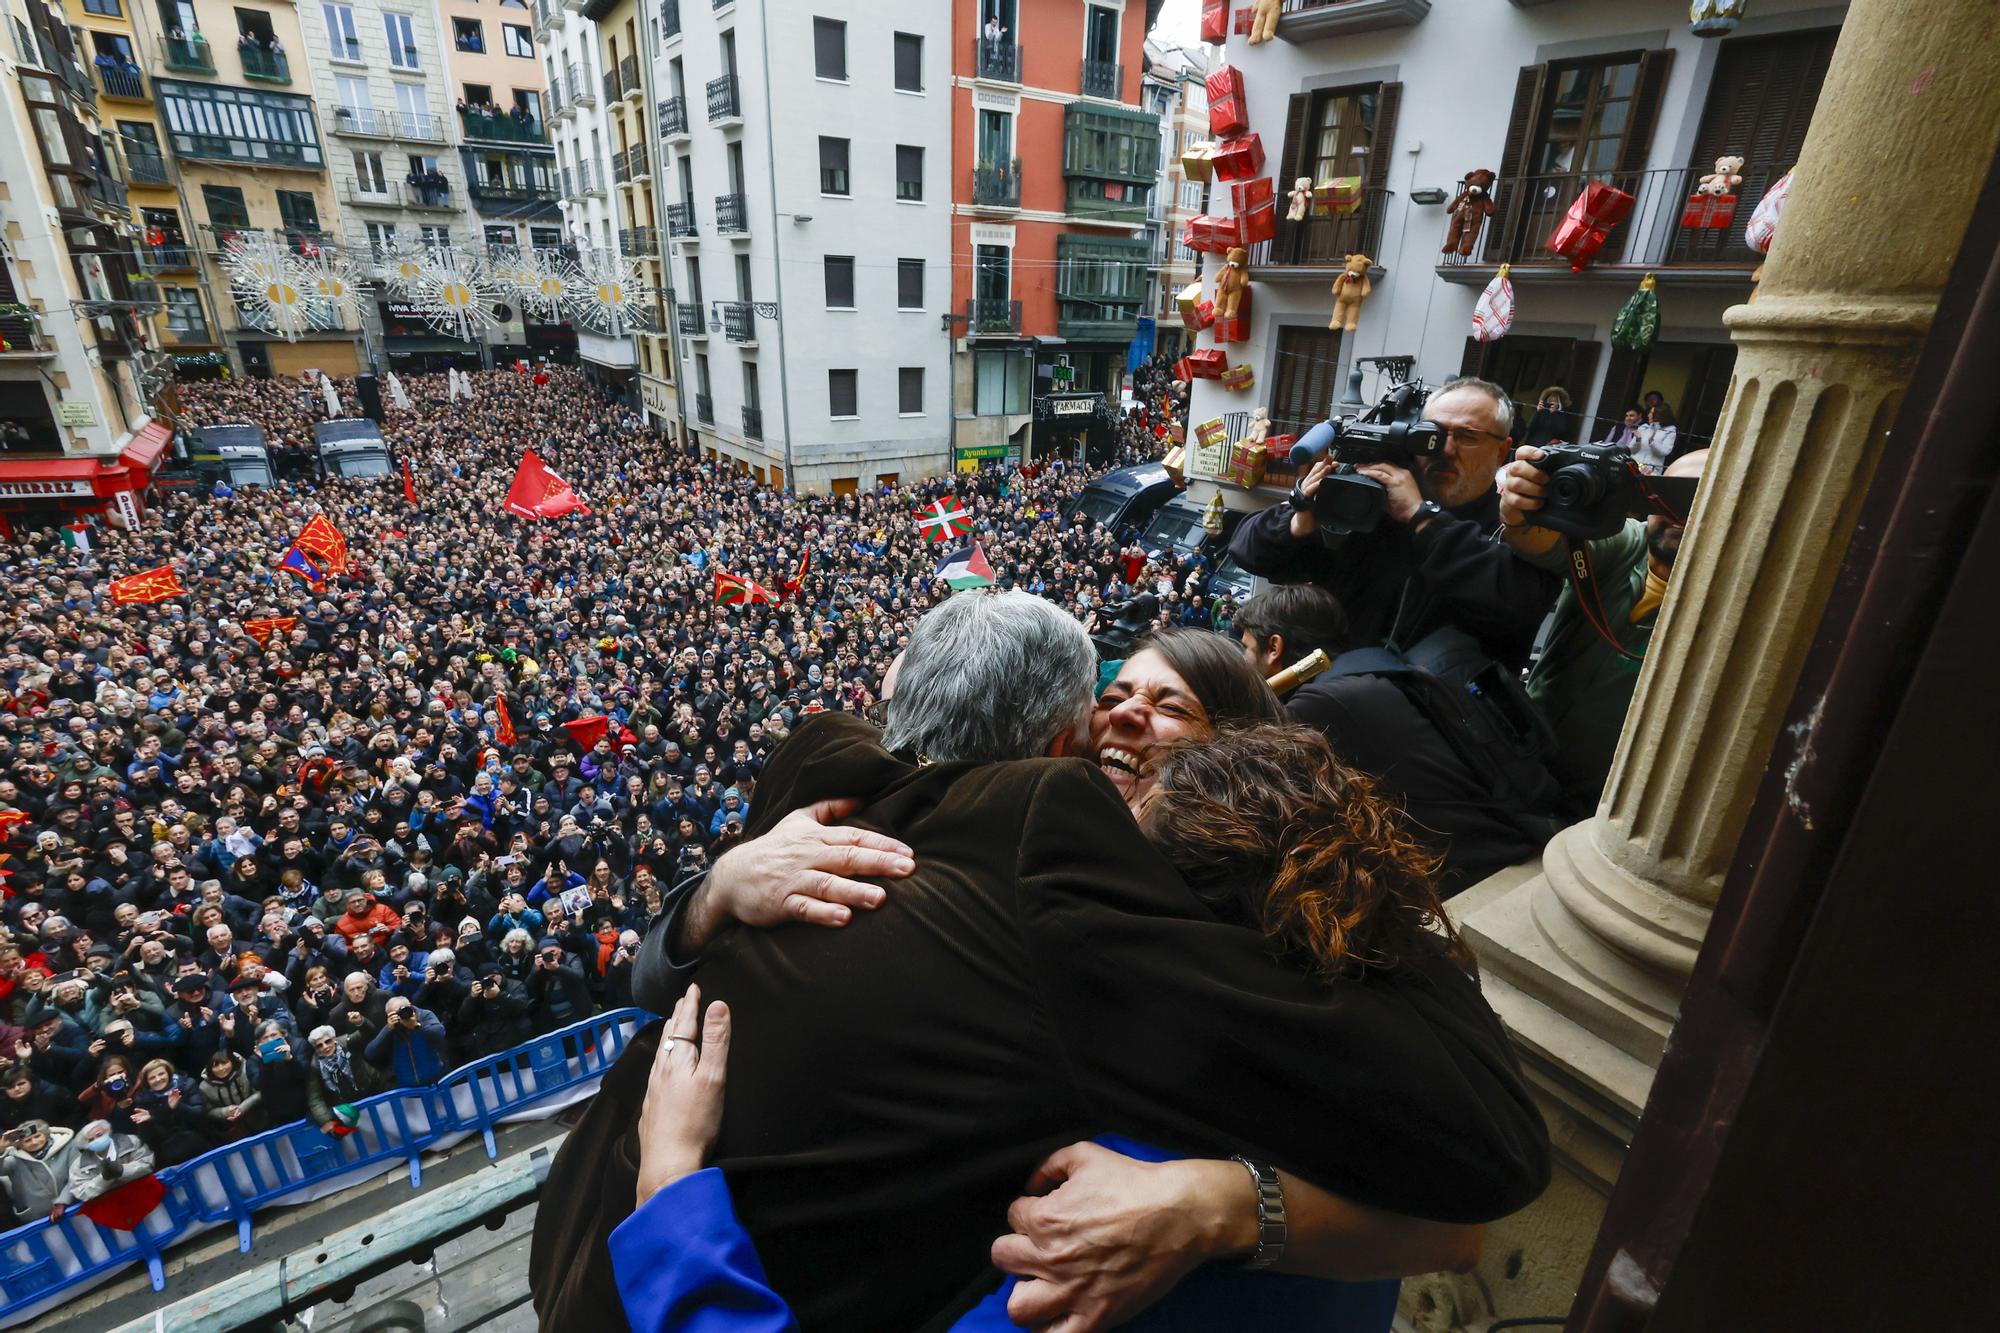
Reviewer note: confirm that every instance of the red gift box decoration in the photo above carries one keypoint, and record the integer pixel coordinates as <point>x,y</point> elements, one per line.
<point>1259,224</point>
<point>1245,19</point>
<point>1251,193</point>
<point>1709,212</point>
<point>1240,158</point>
<point>1210,235</point>
<point>1215,21</point>
<point>1207,363</point>
<point>1584,229</point>
<point>1204,315</point>
<point>1278,448</point>
<point>1228,114</point>
<point>1235,330</point>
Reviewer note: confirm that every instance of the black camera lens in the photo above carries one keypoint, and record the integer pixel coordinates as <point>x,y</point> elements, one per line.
<point>1577,486</point>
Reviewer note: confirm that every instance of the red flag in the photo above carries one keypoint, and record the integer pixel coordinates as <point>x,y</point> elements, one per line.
<point>150,585</point>
<point>504,733</point>
<point>539,493</point>
<point>324,542</point>
<point>8,819</point>
<point>262,629</point>
<point>588,731</point>
<point>796,584</point>
<point>127,1206</point>
<point>730,590</point>
<point>409,485</point>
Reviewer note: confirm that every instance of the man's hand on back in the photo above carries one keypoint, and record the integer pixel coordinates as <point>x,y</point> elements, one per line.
<point>802,870</point>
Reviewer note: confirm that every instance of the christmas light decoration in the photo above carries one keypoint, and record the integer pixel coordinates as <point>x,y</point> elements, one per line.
<point>454,295</point>
<point>266,284</point>
<point>611,298</point>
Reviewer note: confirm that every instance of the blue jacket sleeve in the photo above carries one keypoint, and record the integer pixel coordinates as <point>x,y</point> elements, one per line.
<point>684,1264</point>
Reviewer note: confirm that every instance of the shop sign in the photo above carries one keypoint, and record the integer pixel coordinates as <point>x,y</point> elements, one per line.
<point>36,490</point>
<point>128,509</point>
<point>76,414</point>
<point>653,393</point>
<point>980,451</point>
<point>1072,407</point>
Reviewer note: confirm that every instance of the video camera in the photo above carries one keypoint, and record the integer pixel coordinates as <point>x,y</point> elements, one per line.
<point>1392,431</point>
<point>1114,642</point>
<point>1592,488</point>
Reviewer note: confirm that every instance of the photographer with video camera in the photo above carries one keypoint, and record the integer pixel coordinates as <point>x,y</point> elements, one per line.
<point>1397,519</point>
<point>1584,679</point>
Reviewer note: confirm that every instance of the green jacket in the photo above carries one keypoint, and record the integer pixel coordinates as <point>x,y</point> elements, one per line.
<point>1583,687</point>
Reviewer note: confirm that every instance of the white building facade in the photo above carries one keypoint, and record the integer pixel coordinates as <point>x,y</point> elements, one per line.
<point>805,159</point>
<point>573,60</point>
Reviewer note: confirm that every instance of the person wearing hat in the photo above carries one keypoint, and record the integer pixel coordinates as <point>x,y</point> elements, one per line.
<point>35,1168</point>
<point>338,1076</point>
<point>733,810</point>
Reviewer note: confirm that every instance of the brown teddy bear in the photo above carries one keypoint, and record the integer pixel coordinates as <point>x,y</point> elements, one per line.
<point>1350,289</point>
<point>1264,24</point>
<point>1231,283</point>
<point>1472,207</point>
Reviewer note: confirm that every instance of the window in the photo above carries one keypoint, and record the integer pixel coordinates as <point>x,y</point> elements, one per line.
<point>517,41</point>
<point>909,284</point>
<point>435,238</point>
<point>753,392</point>
<point>909,172</point>
<point>1193,196</point>
<point>843,393</point>
<point>415,111</point>
<point>184,311</point>
<point>909,63</point>
<point>992,271</point>
<point>910,391</point>
<point>545,238</point>
<point>469,35</point>
<point>832,165</point>
<point>298,210</point>
<point>830,49</point>
<point>108,8</point>
<point>341,32</point>
<point>225,205</point>
<point>1306,379</point>
<point>1587,115</point>
<point>1000,383</point>
<point>402,40</point>
<point>840,282</point>
<point>369,177</point>
<point>381,236</point>
<point>500,236</point>
<point>1100,35</point>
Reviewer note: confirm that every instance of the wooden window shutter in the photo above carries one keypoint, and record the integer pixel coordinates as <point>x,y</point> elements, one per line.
<point>1381,155</point>
<point>1654,66</point>
<point>1521,123</point>
<point>1474,359</point>
<point>1303,382</point>
<point>1580,370</point>
<point>1622,379</point>
<point>1291,236</point>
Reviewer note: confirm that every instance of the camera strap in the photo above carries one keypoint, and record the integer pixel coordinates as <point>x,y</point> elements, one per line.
<point>1582,574</point>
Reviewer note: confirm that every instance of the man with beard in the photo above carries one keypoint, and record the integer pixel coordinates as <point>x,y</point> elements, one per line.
<point>1583,684</point>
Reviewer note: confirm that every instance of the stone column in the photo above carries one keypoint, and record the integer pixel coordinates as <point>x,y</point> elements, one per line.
<point>1587,958</point>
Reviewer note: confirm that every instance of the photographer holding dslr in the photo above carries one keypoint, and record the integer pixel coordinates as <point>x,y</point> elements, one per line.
<point>1431,559</point>
<point>1583,681</point>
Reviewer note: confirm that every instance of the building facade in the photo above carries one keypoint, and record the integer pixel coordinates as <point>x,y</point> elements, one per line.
<point>1174,88</point>
<point>580,100</point>
<point>799,139</point>
<point>1056,166</point>
<point>1619,92</point>
<point>76,368</point>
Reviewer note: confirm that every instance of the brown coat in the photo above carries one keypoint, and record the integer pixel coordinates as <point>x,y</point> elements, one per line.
<point>1042,978</point>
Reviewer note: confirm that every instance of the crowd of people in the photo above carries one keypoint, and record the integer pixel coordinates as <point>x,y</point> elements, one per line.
<point>248,882</point>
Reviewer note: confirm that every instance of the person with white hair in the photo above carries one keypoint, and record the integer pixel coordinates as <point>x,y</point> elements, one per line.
<point>102,1161</point>
<point>34,1169</point>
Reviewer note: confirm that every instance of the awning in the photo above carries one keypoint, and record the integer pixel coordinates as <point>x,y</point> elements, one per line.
<point>148,446</point>
<point>48,469</point>
<point>67,478</point>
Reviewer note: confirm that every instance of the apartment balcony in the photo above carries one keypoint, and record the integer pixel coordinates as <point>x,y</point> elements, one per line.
<point>725,106</point>
<point>547,18</point>
<point>581,90</point>
<point>502,127</point>
<point>1314,247</point>
<point>630,166</point>
<point>674,118</point>
<point>723,4</point>
<point>1102,78</point>
<point>998,61</point>
<point>190,333</point>
<point>639,242</point>
<point>704,409</point>
<point>753,423</point>
<point>681,222</point>
<point>628,77</point>
<point>613,89</point>
<point>732,215</point>
<point>173,257</point>
<point>688,320</point>
<point>187,55</point>
<point>419,127</point>
<point>670,19</point>
<point>401,194</point>
<point>739,323</point>
<point>364,122</point>
<point>509,192</point>
<point>1314,20</point>
<point>144,165</point>
<point>1653,238</point>
<point>559,106</point>
<point>992,317</point>
<point>579,184</point>
<point>997,185</point>
<point>1107,201</point>
<point>262,66</point>
<point>122,83</point>
<point>21,336</point>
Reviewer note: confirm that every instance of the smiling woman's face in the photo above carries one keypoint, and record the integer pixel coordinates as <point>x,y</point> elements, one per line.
<point>1146,706</point>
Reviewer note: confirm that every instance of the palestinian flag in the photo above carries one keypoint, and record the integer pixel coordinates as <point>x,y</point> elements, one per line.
<point>733,591</point>
<point>966,568</point>
<point>345,1120</point>
<point>941,520</point>
<point>262,630</point>
<point>76,536</point>
<point>151,585</point>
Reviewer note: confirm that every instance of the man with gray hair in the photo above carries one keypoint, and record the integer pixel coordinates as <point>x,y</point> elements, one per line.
<point>1434,559</point>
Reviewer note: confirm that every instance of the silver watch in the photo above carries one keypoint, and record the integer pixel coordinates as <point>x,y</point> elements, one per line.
<point>1270,1213</point>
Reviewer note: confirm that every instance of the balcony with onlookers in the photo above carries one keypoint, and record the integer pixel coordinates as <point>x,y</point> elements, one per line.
<point>121,79</point>
<point>739,322</point>
<point>732,214</point>
<point>508,189</point>
<point>1320,242</point>
<point>996,60</point>
<point>997,184</point>
<point>1102,78</point>
<point>681,223</point>
<point>1313,20</point>
<point>1662,232</point>
<point>172,255</point>
<point>188,55</point>
<point>497,126</point>
<point>674,118</point>
<point>688,320</point>
<point>263,64</point>
<point>753,423</point>
<point>724,101</point>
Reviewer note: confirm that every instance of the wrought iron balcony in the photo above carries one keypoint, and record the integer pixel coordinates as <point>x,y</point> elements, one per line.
<point>511,190</point>
<point>732,214</point>
<point>558,106</point>
<point>612,88</point>
<point>739,322</point>
<point>997,184</point>
<point>1103,78</point>
<point>419,127</point>
<point>188,55</point>
<point>144,165</point>
<point>21,335</point>
<point>264,66</point>
<point>1317,243</point>
<point>681,221</point>
<point>992,315</point>
<point>364,122</point>
<point>670,18</point>
<point>996,60</point>
<point>638,242</point>
<point>126,83</point>
<point>581,89</point>
<point>502,127</point>
<point>674,118</point>
<point>724,102</point>
<point>688,320</point>
<point>628,76</point>
<point>174,256</point>
<point>753,423</point>
<point>704,409</point>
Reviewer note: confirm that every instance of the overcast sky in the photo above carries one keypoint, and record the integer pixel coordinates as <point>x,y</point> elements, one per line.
<point>1180,23</point>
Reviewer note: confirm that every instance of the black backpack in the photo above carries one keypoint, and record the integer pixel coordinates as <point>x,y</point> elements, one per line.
<point>1481,709</point>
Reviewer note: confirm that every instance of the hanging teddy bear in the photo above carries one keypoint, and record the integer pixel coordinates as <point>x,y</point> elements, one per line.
<point>1231,283</point>
<point>1724,179</point>
<point>1302,197</point>
<point>1469,212</point>
<point>1264,24</point>
<point>1350,289</point>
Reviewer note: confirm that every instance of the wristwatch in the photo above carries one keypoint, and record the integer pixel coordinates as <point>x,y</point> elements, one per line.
<point>1300,502</point>
<point>1426,511</point>
<point>1270,1213</point>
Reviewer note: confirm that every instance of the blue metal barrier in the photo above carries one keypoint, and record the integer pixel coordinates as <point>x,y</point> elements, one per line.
<point>41,1259</point>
